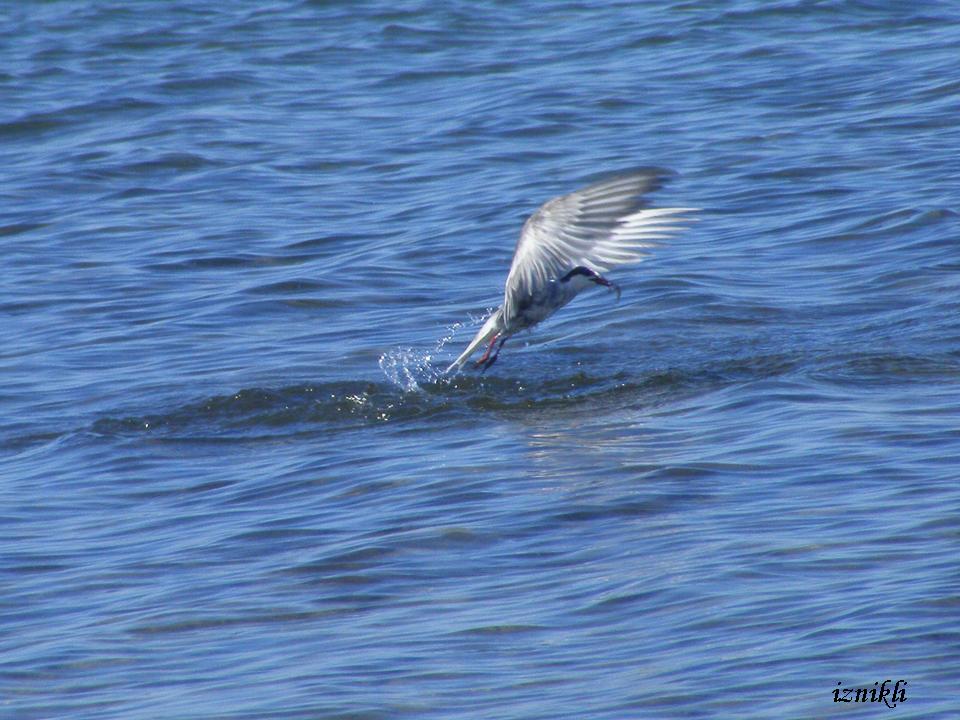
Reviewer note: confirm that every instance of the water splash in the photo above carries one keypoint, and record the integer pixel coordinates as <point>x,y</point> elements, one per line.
<point>408,368</point>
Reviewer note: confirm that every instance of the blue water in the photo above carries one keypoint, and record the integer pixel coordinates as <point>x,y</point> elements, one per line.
<point>240,241</point>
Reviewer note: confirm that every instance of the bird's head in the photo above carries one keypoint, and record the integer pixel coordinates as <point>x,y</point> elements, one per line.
<point>582,277</point>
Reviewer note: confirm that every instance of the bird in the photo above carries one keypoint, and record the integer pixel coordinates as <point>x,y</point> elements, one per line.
<point>567,245</point>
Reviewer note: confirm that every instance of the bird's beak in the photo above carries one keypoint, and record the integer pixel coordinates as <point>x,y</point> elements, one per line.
<point>612,285</point>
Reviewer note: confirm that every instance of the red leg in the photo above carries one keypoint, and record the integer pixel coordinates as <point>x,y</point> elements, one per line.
<point>482,360</point>
<point>492,360</point>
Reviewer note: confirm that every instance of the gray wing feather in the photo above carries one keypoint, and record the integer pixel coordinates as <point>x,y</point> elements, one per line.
<point>600,227</point>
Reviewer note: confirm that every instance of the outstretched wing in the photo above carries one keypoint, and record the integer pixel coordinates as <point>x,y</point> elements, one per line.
<point>600,226</point>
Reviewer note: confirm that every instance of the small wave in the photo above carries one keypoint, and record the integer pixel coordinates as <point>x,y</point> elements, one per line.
<point>261,411</point>
<point>417,390</point>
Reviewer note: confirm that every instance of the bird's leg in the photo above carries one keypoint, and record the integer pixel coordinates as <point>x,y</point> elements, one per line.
<point>492,360</point>
<point>486,355</point>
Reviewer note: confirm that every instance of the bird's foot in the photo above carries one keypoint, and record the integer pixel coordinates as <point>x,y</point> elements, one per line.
<point>483,361</point>
<point>488,362</point>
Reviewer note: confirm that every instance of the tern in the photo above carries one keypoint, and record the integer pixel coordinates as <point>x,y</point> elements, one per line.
<point>566,245</point>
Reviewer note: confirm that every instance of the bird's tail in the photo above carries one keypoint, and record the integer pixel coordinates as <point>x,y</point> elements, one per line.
<point>490,329</point>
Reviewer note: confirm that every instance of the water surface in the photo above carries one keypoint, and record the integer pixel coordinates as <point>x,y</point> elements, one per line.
<point>240,242</point>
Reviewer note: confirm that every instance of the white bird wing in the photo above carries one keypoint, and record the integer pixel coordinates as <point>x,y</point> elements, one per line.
<point>600,227</point>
